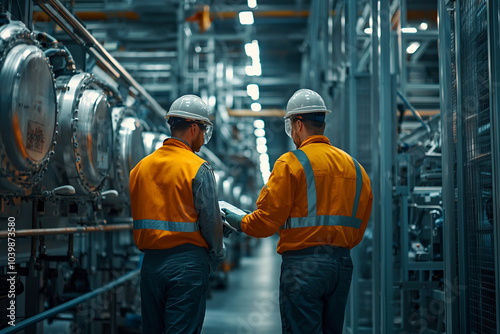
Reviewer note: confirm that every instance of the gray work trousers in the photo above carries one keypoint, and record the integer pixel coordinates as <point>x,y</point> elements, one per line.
<point>174,285</point>
<point>314,286</point>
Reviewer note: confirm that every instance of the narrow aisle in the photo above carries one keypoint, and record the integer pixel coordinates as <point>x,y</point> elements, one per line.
<point>250,303</point>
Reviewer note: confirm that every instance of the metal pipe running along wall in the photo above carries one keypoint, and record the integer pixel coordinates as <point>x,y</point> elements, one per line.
<point>60,308</point>
<point>67,230</point>
<point>57,12</point>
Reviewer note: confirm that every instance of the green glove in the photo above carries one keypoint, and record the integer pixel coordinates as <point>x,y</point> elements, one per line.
<point>233,219</point>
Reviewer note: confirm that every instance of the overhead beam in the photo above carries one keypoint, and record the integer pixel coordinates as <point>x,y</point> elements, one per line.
<point>251,113</point>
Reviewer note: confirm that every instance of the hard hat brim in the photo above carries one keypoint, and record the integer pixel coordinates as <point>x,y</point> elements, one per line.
<point>187,115</point>
<point>306,110</point>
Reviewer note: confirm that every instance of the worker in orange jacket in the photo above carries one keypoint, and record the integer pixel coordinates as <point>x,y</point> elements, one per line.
<point>177,223</point>
<point>319,199</point>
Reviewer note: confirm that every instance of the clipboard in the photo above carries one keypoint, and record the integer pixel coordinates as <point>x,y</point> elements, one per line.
<point>238,211</point>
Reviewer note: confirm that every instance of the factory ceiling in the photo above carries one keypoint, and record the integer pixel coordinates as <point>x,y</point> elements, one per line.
<point>174,47</point>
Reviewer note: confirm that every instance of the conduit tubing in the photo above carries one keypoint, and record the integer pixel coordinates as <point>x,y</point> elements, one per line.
<point>72,303</point>
<point>414,111</point>
<point>67,230</point>
<point>57,12</point>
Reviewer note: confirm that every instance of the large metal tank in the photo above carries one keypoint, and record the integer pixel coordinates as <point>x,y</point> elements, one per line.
<point>28,110</point>
<point>128,149</point>
<point>86,135</point>
<point>153,141</point>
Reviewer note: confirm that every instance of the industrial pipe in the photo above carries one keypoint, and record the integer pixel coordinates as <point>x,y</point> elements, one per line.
<point>63,17</point>
<point>437,207</point>
<point>72,303</point>
<point>54,48</point>
<point>414,111</point>
<point>67,230</point>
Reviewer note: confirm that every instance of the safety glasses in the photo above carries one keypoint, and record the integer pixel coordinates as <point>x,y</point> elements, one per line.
<point>207,129</point>
<point>288,125</point>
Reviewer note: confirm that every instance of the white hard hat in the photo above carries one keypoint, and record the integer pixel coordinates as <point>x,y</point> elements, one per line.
<point>192,108</point>
<point>305,101</point>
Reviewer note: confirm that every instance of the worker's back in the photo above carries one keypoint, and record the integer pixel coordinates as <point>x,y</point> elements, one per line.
<point>161,194</point>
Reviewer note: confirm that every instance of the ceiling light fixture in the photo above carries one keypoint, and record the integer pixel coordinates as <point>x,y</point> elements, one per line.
<point>409,30</point>
<point>261,146</point>
<point>412,48</point>
<point>252,3</point>
<point>254,70</point>
<point>261,141</point>
<point>259,132</point>
<point>256,106</point>
<point>253,91</point>
<point>246,18</point>
<point>252,50</point>
<point>258,124</point>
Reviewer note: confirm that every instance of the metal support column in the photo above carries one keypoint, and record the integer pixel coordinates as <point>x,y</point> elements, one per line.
<point>113,324</point>
<point>210,69</point>
<point>21,10</point>
<point>461,205</point>
<point>494,58</point>
<point>352,53</point>
<point>313,28</point>
<point>377,224</point>
<point>404,251</point>
<point>387,111</point>
<point>326,30</point>
<point>352,108</point>
<point>33,297</point>
<point>403,66</point>
<point>449,209</point>
<point>182,43</point>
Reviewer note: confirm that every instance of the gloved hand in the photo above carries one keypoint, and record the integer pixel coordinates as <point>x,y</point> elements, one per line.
<point>233,219</point>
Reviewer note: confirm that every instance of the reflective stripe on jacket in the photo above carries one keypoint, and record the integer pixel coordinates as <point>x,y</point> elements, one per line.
<point>316,195</point>
<point>162,198</point>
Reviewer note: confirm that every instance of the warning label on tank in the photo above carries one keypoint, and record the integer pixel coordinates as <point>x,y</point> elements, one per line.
<point>35,137</point>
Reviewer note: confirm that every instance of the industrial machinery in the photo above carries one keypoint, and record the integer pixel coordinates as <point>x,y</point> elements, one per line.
<point>129,148</point>
<point>68,143</point>
<point>419,217</point>
<point>52,195</point>
<point>28,109</point>
<point>85,123</point>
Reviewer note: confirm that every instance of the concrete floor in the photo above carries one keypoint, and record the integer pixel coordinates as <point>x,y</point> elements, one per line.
<point>249,305</point>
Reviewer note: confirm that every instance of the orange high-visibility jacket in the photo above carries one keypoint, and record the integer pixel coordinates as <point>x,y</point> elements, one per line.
<point>162,198</point>
<point>316,195</point>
